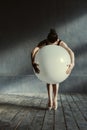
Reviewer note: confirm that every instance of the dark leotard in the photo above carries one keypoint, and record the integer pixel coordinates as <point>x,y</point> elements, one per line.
<point>45,42</point>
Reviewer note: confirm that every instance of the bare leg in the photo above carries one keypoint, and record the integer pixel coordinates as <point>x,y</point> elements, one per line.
<point>50,90</point>
<point>55,93</point>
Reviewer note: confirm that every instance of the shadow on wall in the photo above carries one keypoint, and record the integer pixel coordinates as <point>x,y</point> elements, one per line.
<point>21,21</point>
<point>31,85</point>
<point>21,85</point>
<point>80,61</point>
<point>19,62</point>
<point>74,84</point>
<point>81,49</point>
<point>80,55</point>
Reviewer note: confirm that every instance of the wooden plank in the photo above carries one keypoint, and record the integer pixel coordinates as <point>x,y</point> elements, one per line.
<point>83,103</point>
<point>81,123</point>
<point>19,120</point>
<point>37,123</point>
<point>68,115</point>
<point>82,100</point>
<point>48,120</point>
<point>26,122</point>
<point>31,102</point>
<point>59,123</point>
<point>80,106</point>
<point>82,97</point>
<point>32,111</point>
<point>7,114</point>
<point>11,106</point>
<point>11,111</point>
<point>4,124</point>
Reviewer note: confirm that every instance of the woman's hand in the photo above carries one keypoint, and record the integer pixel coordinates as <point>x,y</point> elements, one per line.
<point>70,67</point>
<point>35,66</point>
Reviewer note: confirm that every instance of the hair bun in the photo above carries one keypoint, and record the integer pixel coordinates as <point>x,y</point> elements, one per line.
<point>52,31</point>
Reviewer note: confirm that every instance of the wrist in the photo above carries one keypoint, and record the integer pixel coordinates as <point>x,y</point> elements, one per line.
<point>72,65</point>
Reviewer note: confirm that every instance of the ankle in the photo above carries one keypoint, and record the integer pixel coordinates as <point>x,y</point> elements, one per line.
<point>55,104</point>
<point>55,99</point>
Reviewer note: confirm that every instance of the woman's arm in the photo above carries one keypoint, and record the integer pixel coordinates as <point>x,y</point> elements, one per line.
<point>71,53</point>
<point>33,54</point>
<point>36,49</point>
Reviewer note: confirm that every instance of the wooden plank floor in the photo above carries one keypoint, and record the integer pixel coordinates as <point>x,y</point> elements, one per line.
<point>31,113</point>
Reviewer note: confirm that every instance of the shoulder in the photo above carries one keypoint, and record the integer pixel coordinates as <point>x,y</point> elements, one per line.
<point>60,43</point>
<point>63,44</point>
<point>42,43</point>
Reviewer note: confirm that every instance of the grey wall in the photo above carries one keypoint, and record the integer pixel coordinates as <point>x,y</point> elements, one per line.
<point>24,24</point>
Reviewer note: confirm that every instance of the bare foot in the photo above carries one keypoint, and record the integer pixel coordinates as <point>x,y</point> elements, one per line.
<point>50,104</point>
<point>55,104</point>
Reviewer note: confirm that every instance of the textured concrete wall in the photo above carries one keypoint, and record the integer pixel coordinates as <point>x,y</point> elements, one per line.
<point>23,25</point>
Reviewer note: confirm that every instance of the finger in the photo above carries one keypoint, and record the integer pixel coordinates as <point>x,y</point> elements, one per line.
<point>68,71</point>
<point>37,64</point>
<point>38,71</point>
<point>68,65</point>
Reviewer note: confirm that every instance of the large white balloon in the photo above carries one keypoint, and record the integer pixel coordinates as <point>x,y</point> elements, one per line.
<point>53,61</point>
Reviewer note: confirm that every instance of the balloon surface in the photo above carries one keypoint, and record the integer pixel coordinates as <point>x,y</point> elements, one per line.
<point>53,62</point>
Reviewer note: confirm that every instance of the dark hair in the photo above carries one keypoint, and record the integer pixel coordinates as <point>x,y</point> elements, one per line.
<point>52,36</point>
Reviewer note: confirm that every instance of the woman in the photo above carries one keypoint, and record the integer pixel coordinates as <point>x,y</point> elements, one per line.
<point>52,39</point>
